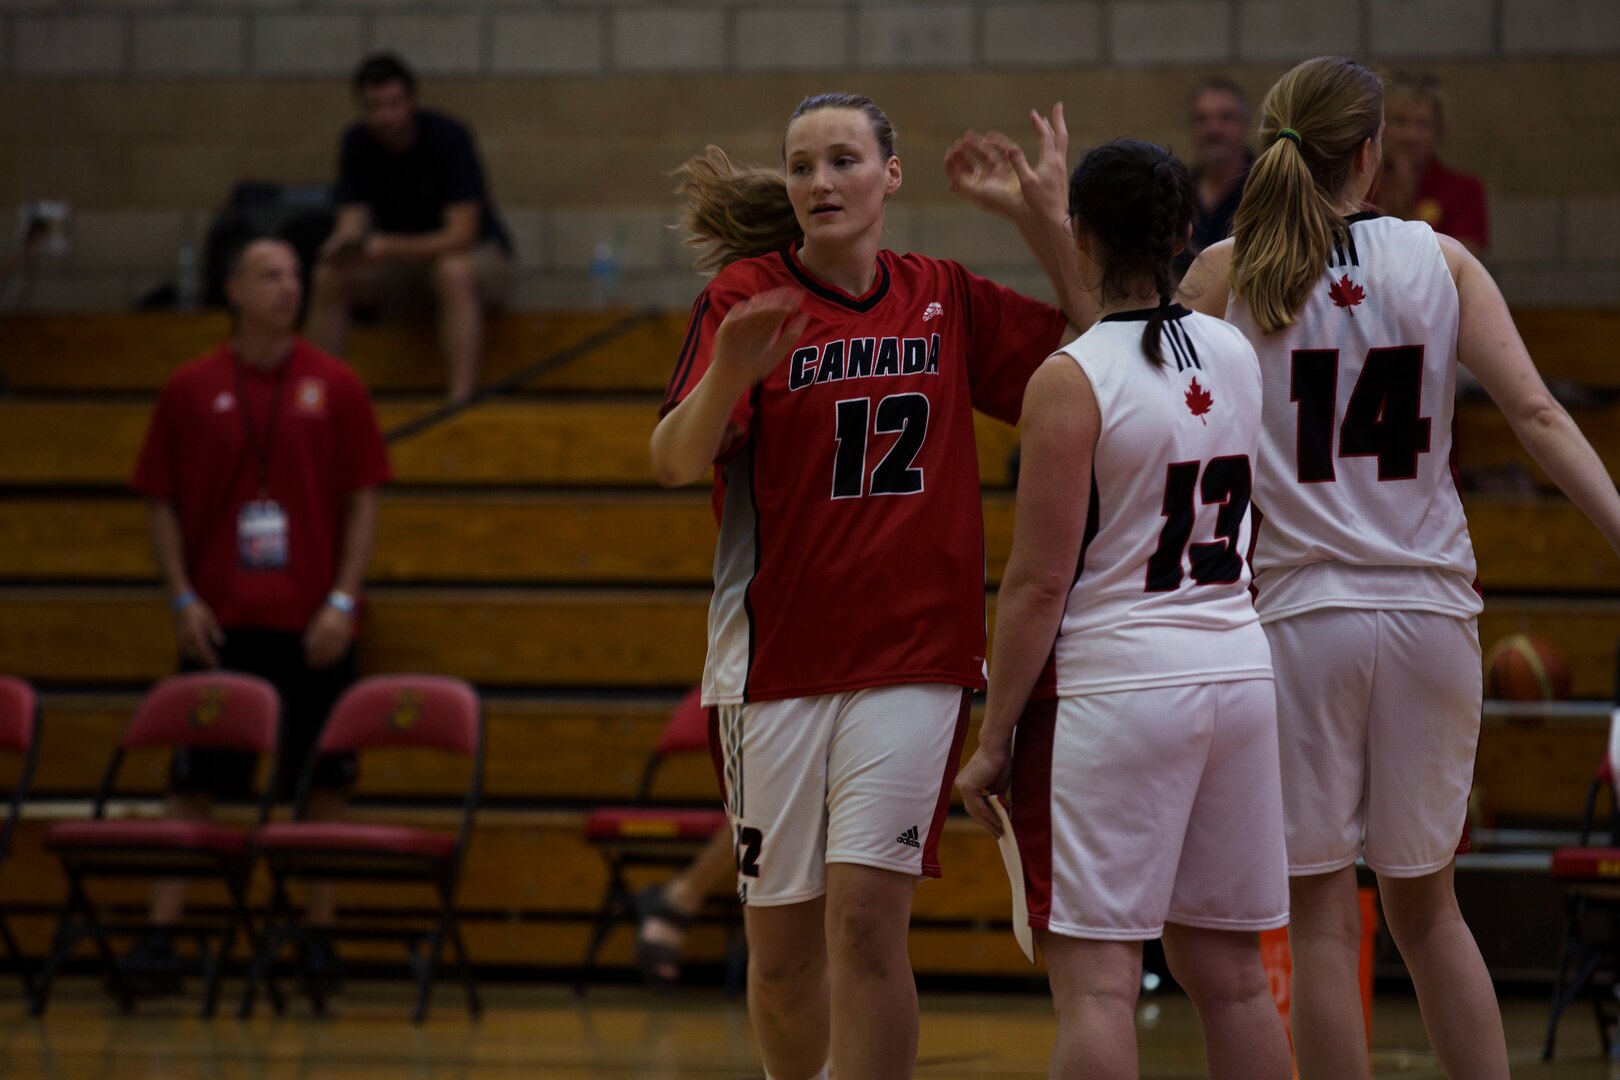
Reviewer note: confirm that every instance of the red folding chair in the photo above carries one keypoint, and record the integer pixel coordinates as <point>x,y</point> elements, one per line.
<point>219,710</point>
<point>1590,874</point>
<point>19,734</point>
<point>646,834</point>
<point>423,711</point>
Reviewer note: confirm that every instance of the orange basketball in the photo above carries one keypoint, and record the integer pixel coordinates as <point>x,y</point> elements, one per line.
<point>1523,668</point>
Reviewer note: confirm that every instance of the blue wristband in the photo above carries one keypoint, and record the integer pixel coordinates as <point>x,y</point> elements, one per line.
<point>340,601</point>
<point>183,601</point>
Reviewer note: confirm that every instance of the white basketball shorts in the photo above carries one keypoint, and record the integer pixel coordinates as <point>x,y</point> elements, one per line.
<point>862,777</point>
<point>1378,720</point>
<point>1141,807</point>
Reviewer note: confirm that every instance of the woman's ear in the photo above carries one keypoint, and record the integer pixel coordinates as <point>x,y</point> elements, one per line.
<point>1186,238</point>
<point>892,178</point>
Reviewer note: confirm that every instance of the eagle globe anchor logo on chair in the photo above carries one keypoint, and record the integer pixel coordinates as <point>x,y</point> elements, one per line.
<point>210,706</point>
<point>407,710</point>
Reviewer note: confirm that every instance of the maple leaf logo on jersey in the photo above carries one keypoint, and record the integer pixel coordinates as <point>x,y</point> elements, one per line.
<point>932,310</point>
<point>1199,401</point>
<point>1347,294</point>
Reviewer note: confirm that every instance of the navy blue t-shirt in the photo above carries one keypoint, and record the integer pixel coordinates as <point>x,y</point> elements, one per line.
<point>408,192</point>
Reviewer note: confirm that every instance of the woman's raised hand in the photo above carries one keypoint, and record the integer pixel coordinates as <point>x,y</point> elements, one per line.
<point>756,334</point>
<point>993,172</point>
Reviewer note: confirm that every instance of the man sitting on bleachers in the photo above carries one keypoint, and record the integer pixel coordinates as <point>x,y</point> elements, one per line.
<point>262,464</point>
<point>416,225</point>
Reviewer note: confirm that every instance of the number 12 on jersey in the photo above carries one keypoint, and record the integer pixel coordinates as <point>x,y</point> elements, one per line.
<point>905,415</point>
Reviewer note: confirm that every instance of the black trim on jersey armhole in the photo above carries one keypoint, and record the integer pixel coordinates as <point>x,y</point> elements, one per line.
<point>1093,524</point>
<point>753,500</point>
<point>833,295</point>
<point>1176,311</point>
<point>683,366</point>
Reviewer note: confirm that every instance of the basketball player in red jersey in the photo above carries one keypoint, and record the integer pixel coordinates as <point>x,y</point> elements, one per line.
<point>833,384</point>
<point>1363,564</point>
<point>1144,776</point>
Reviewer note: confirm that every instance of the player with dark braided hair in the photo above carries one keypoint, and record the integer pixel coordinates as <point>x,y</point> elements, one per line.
<point>1146,794</point>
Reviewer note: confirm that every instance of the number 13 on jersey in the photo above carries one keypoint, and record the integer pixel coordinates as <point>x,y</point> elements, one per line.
<point>1227,483</point>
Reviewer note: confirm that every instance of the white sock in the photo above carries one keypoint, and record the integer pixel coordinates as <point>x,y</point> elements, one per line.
<point>822,1075</point>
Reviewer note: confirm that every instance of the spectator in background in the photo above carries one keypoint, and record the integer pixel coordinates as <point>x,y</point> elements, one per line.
<point>1218,120</point>
<point>1415,185</point>
<point>261,465</point>
<point>415,225</point>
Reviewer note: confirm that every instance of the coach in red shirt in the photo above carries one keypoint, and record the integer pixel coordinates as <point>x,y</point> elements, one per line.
<point>262,464</point>
<point>1415,184</point>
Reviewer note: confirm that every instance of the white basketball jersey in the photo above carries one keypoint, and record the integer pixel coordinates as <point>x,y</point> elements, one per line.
<point>1358,501</point>
<point>1161,592</point>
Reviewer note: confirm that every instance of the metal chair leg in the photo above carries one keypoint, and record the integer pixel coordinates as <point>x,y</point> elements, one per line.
<point>615,909</point>
<point>214,963</point>
<point>425,965</point>
<point>266,947</point>
<point>16,956</point>
<point>475,1001</point>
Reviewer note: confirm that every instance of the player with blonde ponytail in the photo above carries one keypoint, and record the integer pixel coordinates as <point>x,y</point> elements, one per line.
<point>830,386</point>
<point>1363,566</point>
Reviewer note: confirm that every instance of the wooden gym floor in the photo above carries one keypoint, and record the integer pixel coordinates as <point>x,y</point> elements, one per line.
<point>628,1034</point>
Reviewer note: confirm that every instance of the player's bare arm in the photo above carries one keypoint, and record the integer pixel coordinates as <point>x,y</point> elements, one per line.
<point>1208,284</point>
<point>754,337</point>
<point>1061,423</point>
<point>992,172</point>
<point>1489,345</point>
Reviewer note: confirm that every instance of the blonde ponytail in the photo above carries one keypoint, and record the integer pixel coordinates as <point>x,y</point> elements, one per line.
<point>741,211</point>
<point>1284,228</point>
<point>733,211</point>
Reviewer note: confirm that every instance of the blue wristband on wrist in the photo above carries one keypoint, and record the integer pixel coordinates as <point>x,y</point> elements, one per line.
<point>340,601</point>
<point>183,601</point>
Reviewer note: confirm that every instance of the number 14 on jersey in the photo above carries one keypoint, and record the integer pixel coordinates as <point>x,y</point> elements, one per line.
<point>1381,419</point>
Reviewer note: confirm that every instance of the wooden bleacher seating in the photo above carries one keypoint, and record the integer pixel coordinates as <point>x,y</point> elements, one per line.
<point>549,442</point>
<point>122,352</point>
<point>532,881</point>
<point>526,549</point>
<point>552,443</point>
<point>137,351</point>
<point>547,538</point>
<point>557,638</point>
<point>579,751</point>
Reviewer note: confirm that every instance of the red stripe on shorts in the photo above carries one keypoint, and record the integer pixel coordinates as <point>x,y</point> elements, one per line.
<point>930,855</point>
<point>1032,804</point>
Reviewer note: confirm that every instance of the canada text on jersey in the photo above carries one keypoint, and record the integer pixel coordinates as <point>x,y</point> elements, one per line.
<point>863,358</point>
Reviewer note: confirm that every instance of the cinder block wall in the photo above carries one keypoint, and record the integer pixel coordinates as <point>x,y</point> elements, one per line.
<point>143,112</point>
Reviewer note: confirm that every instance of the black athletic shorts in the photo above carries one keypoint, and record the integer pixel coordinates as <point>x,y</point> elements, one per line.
<point>306,697</point>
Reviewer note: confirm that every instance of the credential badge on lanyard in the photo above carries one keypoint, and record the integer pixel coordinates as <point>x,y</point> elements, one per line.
<point>261,525</point>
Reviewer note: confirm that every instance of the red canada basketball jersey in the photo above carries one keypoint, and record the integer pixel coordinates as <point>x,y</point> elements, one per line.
<point>851,549</point>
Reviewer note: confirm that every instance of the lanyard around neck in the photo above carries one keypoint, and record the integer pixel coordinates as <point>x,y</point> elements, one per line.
<point>261,451</point>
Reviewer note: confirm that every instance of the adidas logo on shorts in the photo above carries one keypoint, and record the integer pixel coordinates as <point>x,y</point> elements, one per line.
<point>908,838</point>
